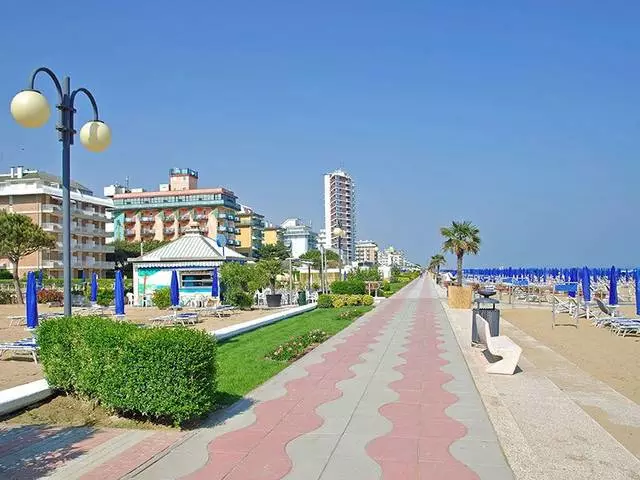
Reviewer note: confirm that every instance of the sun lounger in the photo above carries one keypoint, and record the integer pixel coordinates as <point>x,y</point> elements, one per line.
<point>25,346</point>
<point>219,311</point>
<point>501,346</point>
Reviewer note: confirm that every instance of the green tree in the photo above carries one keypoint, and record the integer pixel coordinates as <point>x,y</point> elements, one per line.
<point>461,238</point>
<point>269,271</point>
<point>436,262</point>
<point>333,259</point>
<point>365,274</point>
<point>20,237</point>
<point>278,251</point>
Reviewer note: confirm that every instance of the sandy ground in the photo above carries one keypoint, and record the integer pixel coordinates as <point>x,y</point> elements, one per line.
<point>612,359</point>
<point>16,370</point>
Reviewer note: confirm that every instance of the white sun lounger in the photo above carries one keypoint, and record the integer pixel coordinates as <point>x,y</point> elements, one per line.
<point>26,346</point>
<point>501,346</point>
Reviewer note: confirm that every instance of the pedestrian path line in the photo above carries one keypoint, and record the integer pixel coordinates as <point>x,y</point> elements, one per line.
<point>259,450</point>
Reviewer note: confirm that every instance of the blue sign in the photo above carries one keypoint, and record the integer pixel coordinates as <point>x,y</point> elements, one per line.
<point>221,240</point>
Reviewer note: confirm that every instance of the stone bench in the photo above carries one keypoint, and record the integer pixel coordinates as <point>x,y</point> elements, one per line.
<point>501,346</point>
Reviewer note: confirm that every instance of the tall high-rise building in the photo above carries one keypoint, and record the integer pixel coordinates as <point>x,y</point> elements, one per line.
<point>340,211</point>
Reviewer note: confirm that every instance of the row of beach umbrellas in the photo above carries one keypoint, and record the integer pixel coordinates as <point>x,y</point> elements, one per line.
<point>34,284</point>
<point>583,276</point>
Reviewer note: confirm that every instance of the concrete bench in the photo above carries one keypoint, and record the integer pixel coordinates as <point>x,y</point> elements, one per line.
<point>501,346</point>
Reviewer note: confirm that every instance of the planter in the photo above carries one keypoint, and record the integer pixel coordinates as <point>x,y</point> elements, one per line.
<point>274,300</point>
<point>460,297</point>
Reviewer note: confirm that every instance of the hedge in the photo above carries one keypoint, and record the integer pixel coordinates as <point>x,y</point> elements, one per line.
<point>337,301</point>
<point>161,374</point>
<point>349,287</point>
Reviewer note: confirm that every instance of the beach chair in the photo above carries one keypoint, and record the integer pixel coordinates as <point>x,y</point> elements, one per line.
<point>618,325</point>
<point>17,320</point>
<point>561,305</point>
<point>26,346</point>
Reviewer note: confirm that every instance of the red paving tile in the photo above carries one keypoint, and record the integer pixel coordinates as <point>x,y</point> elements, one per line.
<point>285,418</point>
<point>133,457</point>
<point>418,444</point>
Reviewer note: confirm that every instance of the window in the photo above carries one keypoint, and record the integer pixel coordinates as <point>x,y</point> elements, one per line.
<point>195,279</point>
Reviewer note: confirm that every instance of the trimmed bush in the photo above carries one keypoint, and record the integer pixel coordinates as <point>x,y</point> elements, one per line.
<point>5,274</point>
<point>338,301</point>
<point>161,374</point>
<point>325,301</point>
<point>240,299</point>
<point>47,295</point>
<point>162,297</point>
<point>367,300</point>
<point>104,297</point>
<point>349,287</point>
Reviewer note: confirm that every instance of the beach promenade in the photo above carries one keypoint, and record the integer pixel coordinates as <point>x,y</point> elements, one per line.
<point>389,397</point>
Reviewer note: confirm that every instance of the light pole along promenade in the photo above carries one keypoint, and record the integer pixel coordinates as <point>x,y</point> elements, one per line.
<point>30,109</point>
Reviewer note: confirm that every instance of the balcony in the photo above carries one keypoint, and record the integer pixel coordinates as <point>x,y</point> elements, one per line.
<point>147,219</point>
<point>52,264</point>
<point>237,230</point>
<point>222,228</point>
<point>51,208</point>
<point>51,227</point>
<point>129,233</point>
<point>169,218</point>
<point>130,220</point>
<point>169,230</point>
<point>222,216</point>
<point>201,216</point>
<point>148,231</point>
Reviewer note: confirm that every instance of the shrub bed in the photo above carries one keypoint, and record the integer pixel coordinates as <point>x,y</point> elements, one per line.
<point>349,287</point>
<point>162,375</point>
<point>49,295</point>
<point>338,301</point>
<point>298,346</point>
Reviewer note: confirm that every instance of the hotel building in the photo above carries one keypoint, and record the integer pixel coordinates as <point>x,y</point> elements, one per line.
<point>271,234</point>
<point>166,214</point>
<point>366,252</point>
<point>38,195</point>
<point>251,227</point>
<point>339,211</point>
<point>298,237</point>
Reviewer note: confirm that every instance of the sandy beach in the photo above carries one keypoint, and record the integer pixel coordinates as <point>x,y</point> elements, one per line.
<point>17,370</point>
<point>612,359</point>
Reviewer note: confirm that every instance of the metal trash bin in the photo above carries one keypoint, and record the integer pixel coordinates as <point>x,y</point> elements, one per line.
<point>302,298</point>
<point>486,308</point>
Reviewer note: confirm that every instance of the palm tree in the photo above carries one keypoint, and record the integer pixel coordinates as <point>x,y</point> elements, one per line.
<point>436,262</point>
<point>460,238</point>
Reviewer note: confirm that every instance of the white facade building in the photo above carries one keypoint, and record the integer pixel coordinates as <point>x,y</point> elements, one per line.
<point>390,257</point>
<point>340,211</point>
<point>366,252</point>
<point>298,237</point>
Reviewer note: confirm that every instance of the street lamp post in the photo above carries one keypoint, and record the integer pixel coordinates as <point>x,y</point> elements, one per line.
<point>30,109</point>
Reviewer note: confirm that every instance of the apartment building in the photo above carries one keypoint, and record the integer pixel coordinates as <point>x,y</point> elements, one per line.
<point>271,234</point>
<point>390,257</point>
<point>340,211</point>
<point>298,237</point>
<point>251,227</point>
<point>366,252</point>
<point>38,195</point>
<point>165,214</point>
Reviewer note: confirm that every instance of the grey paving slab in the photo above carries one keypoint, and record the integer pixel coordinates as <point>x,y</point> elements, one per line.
<point>542,430</point>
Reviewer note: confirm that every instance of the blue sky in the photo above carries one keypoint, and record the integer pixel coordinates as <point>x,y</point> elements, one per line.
<point>520,116</point>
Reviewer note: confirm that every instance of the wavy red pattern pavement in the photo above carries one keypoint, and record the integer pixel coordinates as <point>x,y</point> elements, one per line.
<point>258,451</point>
<point>417,447</point>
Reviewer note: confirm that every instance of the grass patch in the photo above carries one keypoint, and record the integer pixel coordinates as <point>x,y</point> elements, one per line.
<point>242,366</point>
<point>243,362</point>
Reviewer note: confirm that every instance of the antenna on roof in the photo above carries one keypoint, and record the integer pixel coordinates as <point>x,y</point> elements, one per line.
<point>126,182</point>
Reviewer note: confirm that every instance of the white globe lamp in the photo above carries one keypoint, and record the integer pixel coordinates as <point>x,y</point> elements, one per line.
<point>30,109</point>
<point>95,136</point>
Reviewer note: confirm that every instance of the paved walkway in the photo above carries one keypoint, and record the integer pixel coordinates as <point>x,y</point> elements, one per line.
<point>389,397</point>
